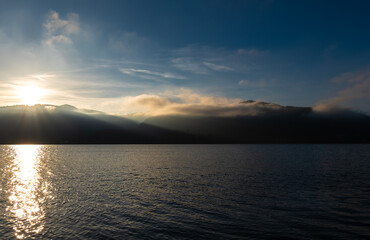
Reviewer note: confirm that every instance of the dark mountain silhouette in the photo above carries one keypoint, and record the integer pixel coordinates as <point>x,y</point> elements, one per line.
<point>272,123</point>
<point>67,124</point>
<point>276,124</point>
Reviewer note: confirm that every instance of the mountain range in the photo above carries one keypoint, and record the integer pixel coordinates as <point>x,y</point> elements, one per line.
<point>270,123</point>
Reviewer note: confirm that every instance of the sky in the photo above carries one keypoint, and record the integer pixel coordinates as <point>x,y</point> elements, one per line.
<point>125,57</point>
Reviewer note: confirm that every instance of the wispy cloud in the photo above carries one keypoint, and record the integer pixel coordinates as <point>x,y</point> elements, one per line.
<point>252,52</point>
<point>59,30</point>
<point>35,77</point>
<point>188,64</point>
<point>358,87</point>
<point>196,66</point>
<point>218,68</point>
<point>257,83</point>
<point>54,24</point>
<point>59,39</point>
<point>147,74</point>
<point>205,60</point>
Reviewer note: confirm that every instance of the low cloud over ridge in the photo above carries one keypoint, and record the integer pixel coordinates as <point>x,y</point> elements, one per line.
<point>187,102</point>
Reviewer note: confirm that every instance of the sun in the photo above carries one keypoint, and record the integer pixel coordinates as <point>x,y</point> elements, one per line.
<point>30,95</point>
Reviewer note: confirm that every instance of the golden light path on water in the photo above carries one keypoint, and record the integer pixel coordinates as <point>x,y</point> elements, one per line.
<point>27,192</point>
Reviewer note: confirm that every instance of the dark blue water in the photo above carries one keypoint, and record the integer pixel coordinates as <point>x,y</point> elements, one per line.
<point>185,192</point>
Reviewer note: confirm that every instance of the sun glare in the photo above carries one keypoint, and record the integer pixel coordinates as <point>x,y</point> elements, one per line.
<point>30,95</point>
<point>28,193</point>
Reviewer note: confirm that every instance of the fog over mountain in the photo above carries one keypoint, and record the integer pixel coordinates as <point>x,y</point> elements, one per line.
<point>247,122</point>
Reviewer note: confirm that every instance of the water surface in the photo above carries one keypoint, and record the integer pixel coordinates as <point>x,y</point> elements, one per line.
<point>185,192</point>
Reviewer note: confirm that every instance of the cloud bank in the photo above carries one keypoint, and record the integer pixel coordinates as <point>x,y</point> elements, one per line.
<point>186,102</point>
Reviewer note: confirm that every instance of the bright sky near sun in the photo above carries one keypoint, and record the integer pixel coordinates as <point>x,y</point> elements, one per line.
<point>110,55</point>
<point>30,95</point>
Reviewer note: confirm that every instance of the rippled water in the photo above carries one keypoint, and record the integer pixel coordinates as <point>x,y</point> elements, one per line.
<point>185,192</point>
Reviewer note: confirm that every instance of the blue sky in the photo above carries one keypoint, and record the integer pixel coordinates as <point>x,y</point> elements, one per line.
<point>109,55</point>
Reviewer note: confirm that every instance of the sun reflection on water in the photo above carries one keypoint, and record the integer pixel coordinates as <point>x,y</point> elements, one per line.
<point>27,192</point>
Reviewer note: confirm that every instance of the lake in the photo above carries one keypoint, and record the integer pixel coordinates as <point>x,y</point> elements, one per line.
<point>185,192</point>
